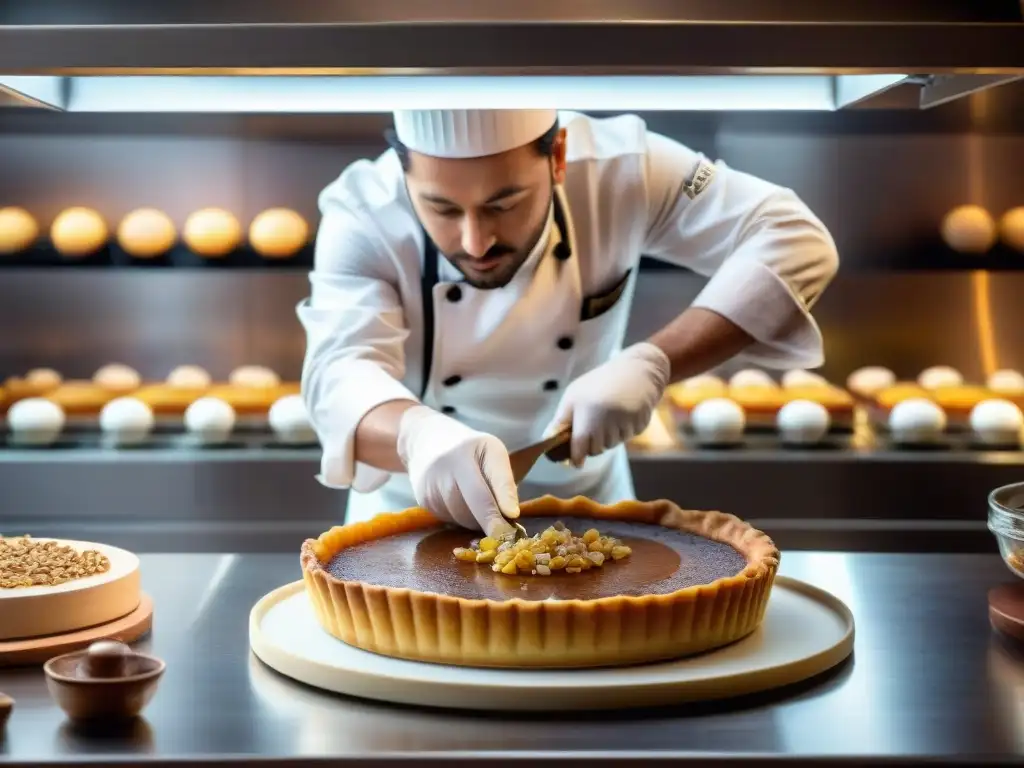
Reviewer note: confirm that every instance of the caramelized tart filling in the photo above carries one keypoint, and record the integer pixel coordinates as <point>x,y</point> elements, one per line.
<point>660,561</point>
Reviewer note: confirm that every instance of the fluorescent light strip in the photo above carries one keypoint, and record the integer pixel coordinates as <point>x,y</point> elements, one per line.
<point>852,89</point>
<point>331,94</point>
<point>35,90</point>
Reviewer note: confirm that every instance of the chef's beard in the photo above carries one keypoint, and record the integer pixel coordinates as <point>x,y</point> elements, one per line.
<point>512,259</point>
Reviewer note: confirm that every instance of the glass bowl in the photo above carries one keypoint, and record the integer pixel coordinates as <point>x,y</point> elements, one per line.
<point>1006,521</point>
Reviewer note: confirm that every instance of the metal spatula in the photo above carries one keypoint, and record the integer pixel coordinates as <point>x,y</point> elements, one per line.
<point>557,449</point>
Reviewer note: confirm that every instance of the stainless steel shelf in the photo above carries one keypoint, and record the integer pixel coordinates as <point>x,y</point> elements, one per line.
<point>261,496</point>
<point>454,36</point>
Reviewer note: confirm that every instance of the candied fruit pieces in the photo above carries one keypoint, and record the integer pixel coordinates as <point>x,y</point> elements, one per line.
<point>555,548</point>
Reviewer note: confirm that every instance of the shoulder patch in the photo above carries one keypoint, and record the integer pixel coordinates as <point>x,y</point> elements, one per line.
<point>702,177</point>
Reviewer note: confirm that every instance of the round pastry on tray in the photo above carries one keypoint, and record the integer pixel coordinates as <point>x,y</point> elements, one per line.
<point>81,398</point>
<point>246,401</point>
<point>958,401</point>
<point>167,399</point>
<point>593,586</point>
<point>838,402</point>
<point>761,404</point>
<point>35,383</point>
<point>886,399</point>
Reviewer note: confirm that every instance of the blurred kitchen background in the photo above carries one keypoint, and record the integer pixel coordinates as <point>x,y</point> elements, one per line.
<point>882,180</point>
<point>882,175</point>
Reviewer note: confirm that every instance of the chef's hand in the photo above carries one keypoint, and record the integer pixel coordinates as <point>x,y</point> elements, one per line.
<point>614,402</point>
<point>458,474</point>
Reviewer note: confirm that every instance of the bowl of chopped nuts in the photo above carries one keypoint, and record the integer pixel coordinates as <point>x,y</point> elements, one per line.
<point>1006,521</point>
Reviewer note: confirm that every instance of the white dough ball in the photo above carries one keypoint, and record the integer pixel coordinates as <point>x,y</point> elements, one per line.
<point>803,422</point>
<point>254,376</point>
<point>917,420</point>
<point>117,376</point>
<point>127,420</point>
<point>940,376</point>
<point>1006,382</point>
<point>701,381</point>
<point>289,419</point>
<point>718,421</point>
<point>997,422</point>
<point>189,377</point>
<point>210,419</point>
<point>751,377</point>
<point>35,421</point>
<point>803,379</point>
<point>870,380</point>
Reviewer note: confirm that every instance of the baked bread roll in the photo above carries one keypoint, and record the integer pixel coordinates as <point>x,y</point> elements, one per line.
<point>78,232</point>
<point>146,233</point>
<point>212,232</point>
<point>969,229</point>
<point>1011,228</point>
<point>278,233</point>
<point>18,231</point>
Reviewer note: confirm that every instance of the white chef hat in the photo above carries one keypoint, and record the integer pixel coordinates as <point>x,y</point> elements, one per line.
<point>456,133</point>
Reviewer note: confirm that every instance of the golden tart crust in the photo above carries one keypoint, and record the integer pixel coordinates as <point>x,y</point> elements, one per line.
<point>616,630</point>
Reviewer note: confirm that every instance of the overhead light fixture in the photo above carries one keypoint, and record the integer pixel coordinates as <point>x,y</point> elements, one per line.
<point>372,93</point>
<point>35,91</point>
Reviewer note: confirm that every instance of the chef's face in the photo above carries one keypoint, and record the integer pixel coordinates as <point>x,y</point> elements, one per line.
<point>486,213</point>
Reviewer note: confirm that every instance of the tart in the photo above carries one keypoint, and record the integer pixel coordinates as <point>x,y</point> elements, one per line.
<point>692,581</point>
<point>24,388</point>
<point>169,400</point>
<point>81,398</point>
<point>837,401</point>
<point>897,393</point>
<point>958,401</point>
<point>247,401</point>
<point>760,404</point>
<point>683,397</point>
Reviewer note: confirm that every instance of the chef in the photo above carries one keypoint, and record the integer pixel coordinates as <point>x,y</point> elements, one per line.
<point>472,287</point>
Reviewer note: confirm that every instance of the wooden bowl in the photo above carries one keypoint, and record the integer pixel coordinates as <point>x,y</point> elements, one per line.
<point>107,682</point>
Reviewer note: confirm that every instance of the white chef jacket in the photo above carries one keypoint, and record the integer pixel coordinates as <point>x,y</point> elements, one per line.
<point>502,357</point>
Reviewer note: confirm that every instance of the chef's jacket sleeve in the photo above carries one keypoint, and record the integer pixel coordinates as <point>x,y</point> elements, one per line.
<point>767,256</point>
<point>355,329</point>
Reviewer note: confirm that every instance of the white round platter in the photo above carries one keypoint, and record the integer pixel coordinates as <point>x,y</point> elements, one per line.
<point>806,631</point>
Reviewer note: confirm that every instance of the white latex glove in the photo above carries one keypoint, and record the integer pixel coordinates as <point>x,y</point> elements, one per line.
<point>614,402</point>
<point>457,473</point>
